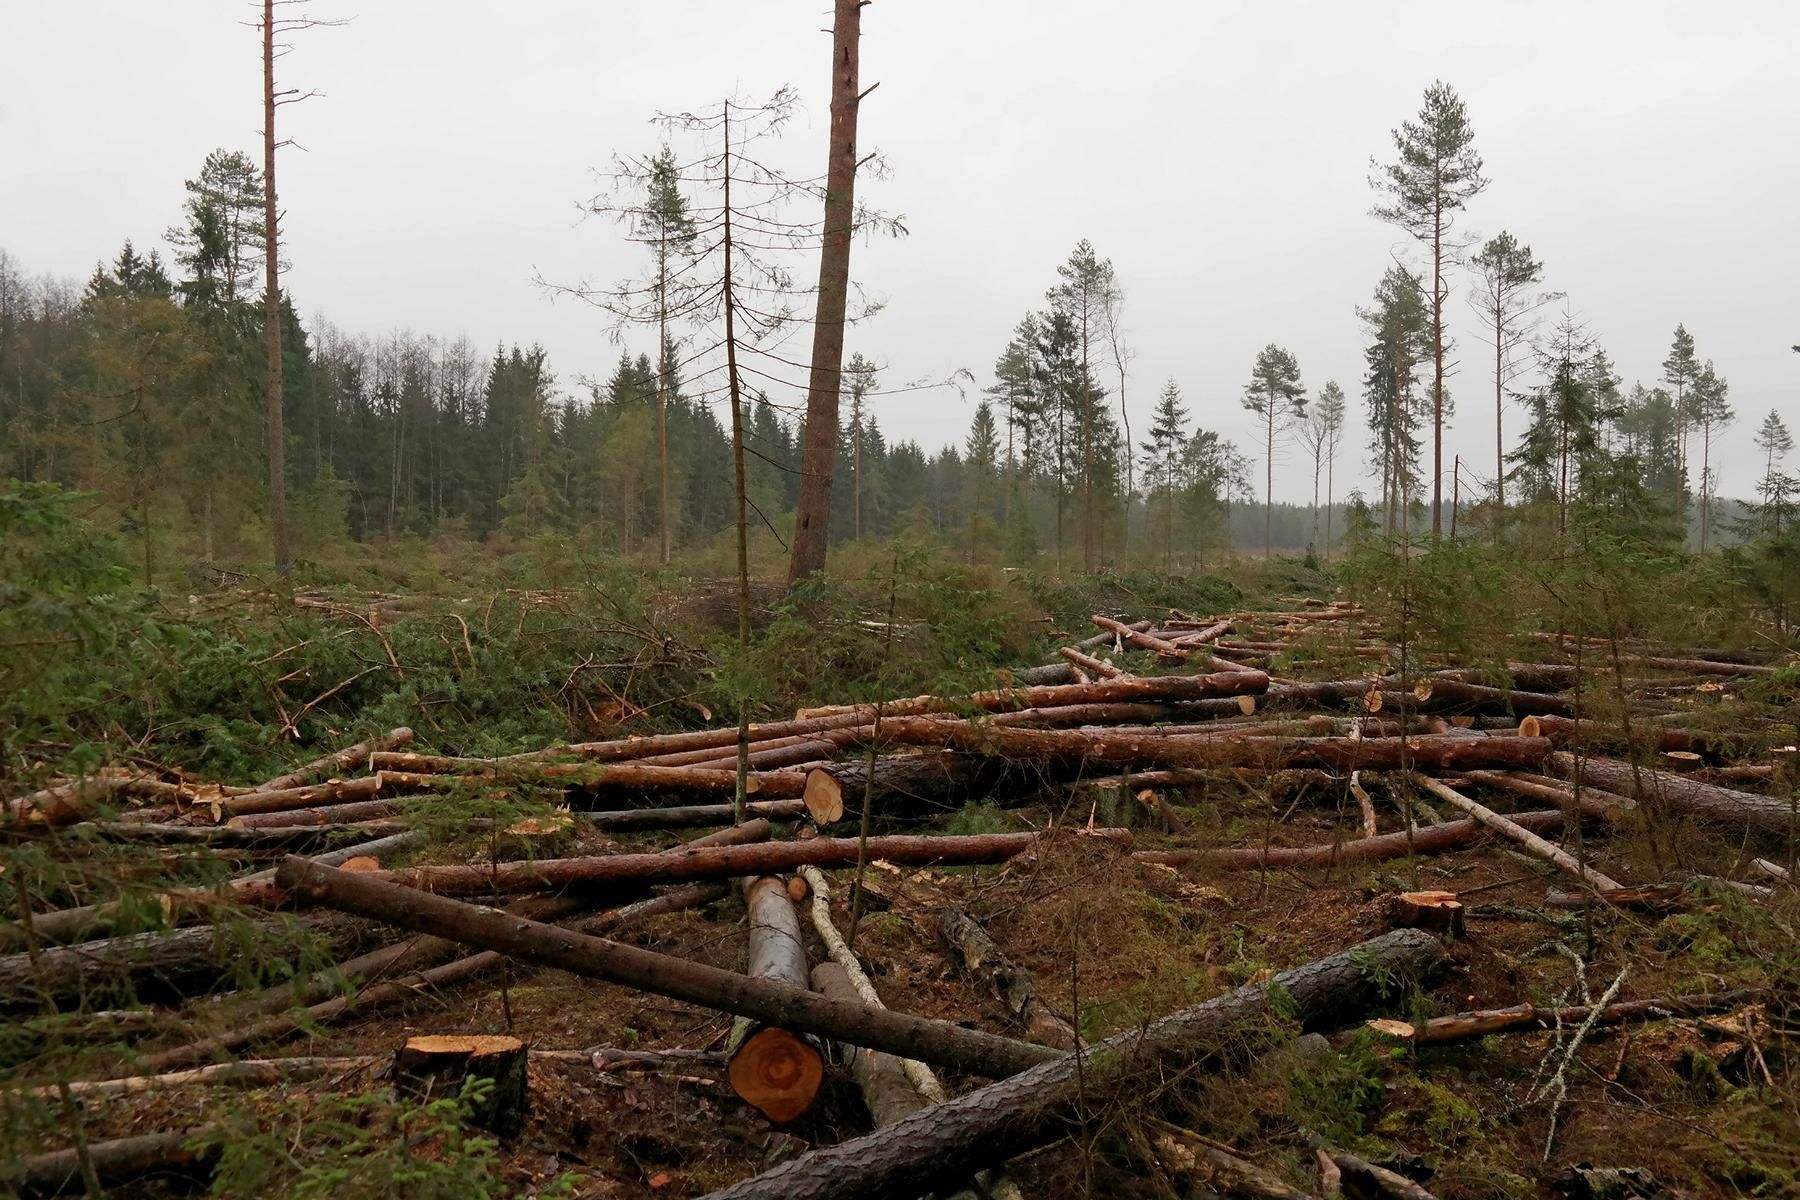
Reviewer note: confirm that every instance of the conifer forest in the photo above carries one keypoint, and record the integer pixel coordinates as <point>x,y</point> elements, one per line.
<point>1278,721</point>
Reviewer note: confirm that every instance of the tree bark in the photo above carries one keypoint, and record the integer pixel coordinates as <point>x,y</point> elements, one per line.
<point>1440,694</point>
<point>1464,1026</point>
<point>974,953</point>
<point>947,1141</point>
<point>762,1000</point>
<point>183,1152</point>
<point>886,1092</point>
<point>1510,829</point>
<point>774,1070</point>
<point>1425,839</point>
<point>1161,647</point>
<point>714,862</point>
<point>1159,688</point>
<point>277,442</point>
<point>1436,751</point>
<point>626,820</point>
<point>351,758</point>
<point>433,1066</point>
<point>812,514</point>
<point>1764,814</point>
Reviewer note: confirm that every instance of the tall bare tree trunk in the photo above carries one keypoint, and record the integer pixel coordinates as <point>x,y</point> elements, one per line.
<point>272,305</point>
<point>1437,385</point>
<point>741,794</point>
<point>1269,483</point>
<point>662,393</point>
<point>1705,481</point>
<point>812,515</point>
<point>1499,411</point>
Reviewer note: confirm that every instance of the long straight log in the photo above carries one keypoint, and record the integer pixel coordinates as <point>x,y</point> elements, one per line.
<point>1440,694</point>
<point>120,1160</point>
<point>332,792</point>
<point>1596,802</point>
<point>650,746</point>
<point>1062,672</point>
<point>353,813</point>
<point>1088,662</point>
<point>627,820</point>
<point>717,862</point>
<point>774,1070</point>
<point>1144,641</point>
<point>1425,839</point>
<point>1510,829</point>
<point>1164,688</point>
<point>1441,752</point>
<point>694,983</point>
<point>991,1124</point>
<point>1463,1026</point>
<point>1765,814</point>
<point>341,762</point>
<point>78,800</point>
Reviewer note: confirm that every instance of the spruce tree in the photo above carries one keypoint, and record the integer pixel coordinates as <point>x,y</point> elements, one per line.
<point>1436,172</point>
<point>1680,369</point>
<point>1162,459</point>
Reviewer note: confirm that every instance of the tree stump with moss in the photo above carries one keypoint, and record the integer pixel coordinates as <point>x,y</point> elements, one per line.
<point>433,1066</point>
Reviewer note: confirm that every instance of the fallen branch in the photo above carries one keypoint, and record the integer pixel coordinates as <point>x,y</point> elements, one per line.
<point>341,762</point>
<point>1461,1027</point>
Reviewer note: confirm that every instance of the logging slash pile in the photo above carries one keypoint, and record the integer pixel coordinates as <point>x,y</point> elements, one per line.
<point>1262,903</point>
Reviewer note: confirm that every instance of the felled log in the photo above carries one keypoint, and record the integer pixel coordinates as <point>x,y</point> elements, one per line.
<point>1377,1180</point>
<point>1426,839</point>
<point>629,820</point>
<point>1594,801</point>
<point>1440,694</point>
<point>1089,663</point>
<point>1159,688</point>
<point>1004,1119</point>
<point>66,925</point>
<point>1186,1153</point>
<point>354,813</point>
<point>1439,752</point>
<point>341,762</point>
<point>1646,734</point>
<point>716,862</point>
<point>1765,814</point>
<point>1463,1026</point>
<point>774,1070</point>
<point>156,965</point>
<point>433,1066</point>
<point>260,837</point>
<point>694,983</point>
<point>886,1092</point>
<point>801,750</point>
<point>1061,672</point>
<point>1143,640</point>
<point>651,746</point>
<point>974,953</point>
<point>181,1153</point>
<point>249,1073</point>
<point>1510,829</point>
<point>77,800</point>
<point>331,792</point>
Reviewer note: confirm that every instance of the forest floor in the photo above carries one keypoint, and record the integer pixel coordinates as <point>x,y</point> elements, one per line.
<point>1691,1106</point>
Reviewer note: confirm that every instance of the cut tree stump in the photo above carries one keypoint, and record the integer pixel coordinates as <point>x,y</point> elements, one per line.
<point>432,1066</point>
<point>774,1070</point>
<point>1440,912</point>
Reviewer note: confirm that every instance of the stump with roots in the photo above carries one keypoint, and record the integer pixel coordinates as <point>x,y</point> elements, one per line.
<point>433,1066</point>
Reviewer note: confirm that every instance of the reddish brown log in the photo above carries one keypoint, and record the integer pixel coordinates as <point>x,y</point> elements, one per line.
<point>1088,662</point>
<point>1440,752</point>
<point>727,991</point>
<point>798,750</point>
<point>1144,641</point>
<point>1159,688</point>
<point>625,820</point>
<point>719,862</point>
<point>331,793</point>
<point>1441,694</point>
<point>341,762</point>
<point>624,749</point>
<point>336,814</point>
<point>1427,839</point>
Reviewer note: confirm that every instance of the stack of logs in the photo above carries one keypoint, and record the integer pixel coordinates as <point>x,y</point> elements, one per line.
<point>1219,708</point>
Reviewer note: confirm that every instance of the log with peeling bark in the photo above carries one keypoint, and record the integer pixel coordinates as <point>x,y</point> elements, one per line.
<point>1438,694</point>
<point>80,799</point>
<point>1425,839</point>
<point>1160,647</point>
<point>1764,814</point>
<point>1438,752</point>
<point>694,983</point>
<point>163,964</point>
<point>1004,1119</point>
<point>341,762</point>
<point>1089,663</point>
<point>776,1071</point>
<point>886,1091</point>
<point>1464,1026</point>
<point>719,862</point>
<point>974,953</point>
<point>1510,829</point>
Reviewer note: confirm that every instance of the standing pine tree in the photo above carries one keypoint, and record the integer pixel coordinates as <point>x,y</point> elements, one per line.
<point>1162,460</point>
<point>1507,272</point>
<point>1776,443</point>
<point>1711,407</point>
<point>1331,418</point>
<point>1436,173</point>
<point>1086,297</point>
<point>1680,369</point>
<point>1274,394</point>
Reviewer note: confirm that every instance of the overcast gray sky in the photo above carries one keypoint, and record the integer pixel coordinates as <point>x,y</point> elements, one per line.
<point>1216,152</point>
